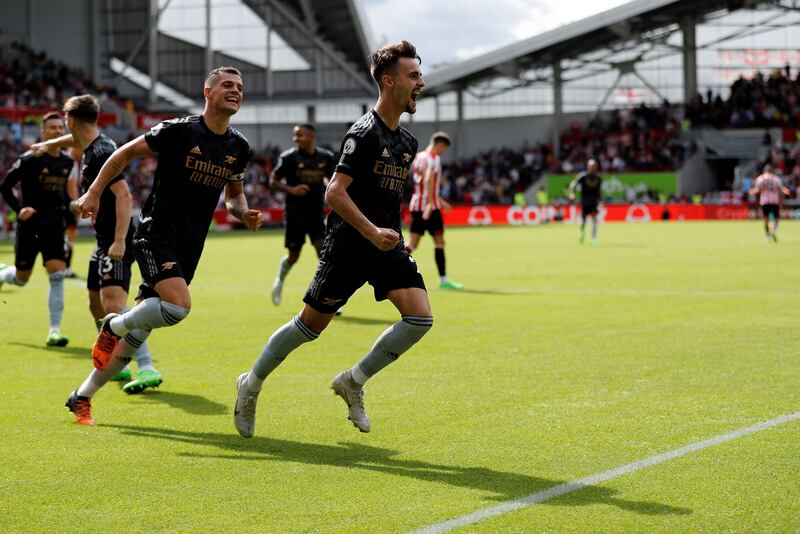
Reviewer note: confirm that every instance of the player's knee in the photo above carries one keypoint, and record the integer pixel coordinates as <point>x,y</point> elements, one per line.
<point>172,313</point>
<point>292,257</point>
<point>56,277</point>
<point>418,326</point>
<point>21,277</point>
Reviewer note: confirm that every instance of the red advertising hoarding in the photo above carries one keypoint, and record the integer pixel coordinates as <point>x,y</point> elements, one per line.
<point>633,213</point>
<point>534,215</point>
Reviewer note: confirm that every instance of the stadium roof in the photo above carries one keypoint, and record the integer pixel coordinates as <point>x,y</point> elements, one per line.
<point>636,21</point>
<point>341,24</point>
<point>331,38</point>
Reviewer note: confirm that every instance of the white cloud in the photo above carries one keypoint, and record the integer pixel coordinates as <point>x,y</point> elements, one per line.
<point>451,31</point>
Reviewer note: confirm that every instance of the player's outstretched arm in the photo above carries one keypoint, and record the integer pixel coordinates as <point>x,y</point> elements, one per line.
<point>339,200</point>
<point>123,206</point>
<point>572,186</point>
<point>7,187</point>
<point>236,203</point>
<point>428,181</point>
<point>90,201</point>
<point>278,184</point>
<point>65,141</point>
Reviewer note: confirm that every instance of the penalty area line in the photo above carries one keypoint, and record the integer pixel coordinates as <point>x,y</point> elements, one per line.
<point>569,487</point>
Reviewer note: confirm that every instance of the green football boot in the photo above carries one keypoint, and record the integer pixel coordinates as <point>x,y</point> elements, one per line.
<point>450,285</point>
<point>122,376</point>
<point>56,339</point>
<point>144,380</point>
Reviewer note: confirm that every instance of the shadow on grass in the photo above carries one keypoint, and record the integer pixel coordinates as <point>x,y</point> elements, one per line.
<point>73,352</point>
<point>193,404</point>
<point>498,485</point>
<point>344,318</point>
<point>479,291</point>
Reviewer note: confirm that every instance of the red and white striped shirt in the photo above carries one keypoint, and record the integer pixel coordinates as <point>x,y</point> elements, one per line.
<point>422,194</point>
<point>770,186</point>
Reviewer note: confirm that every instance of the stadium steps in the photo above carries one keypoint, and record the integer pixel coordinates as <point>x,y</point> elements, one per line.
<point>732,144</point>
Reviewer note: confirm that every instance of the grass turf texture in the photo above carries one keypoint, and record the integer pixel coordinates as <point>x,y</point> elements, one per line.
<point>557,362</point>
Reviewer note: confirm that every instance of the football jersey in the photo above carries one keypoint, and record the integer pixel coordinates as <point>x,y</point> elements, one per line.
<point>378,160</point>
<point>194,166</point>
<point>94,157</point>
<point>43,184</point>
<point>591,188</point>
<point>424,162</point>
<point>298,167</point>
<point>769,186</point>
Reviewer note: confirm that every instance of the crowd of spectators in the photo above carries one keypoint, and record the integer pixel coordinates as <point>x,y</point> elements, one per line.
<point>640,139</point>
<point>11,147</point>
<point>760,101</point>
<point>30,79</point>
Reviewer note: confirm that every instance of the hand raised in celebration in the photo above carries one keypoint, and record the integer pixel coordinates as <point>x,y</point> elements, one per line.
<point>89,204</point>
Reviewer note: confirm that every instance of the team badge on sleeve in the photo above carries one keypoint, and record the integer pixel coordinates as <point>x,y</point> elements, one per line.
<point>349,146</point>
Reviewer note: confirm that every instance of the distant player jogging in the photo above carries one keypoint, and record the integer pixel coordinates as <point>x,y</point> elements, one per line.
<point>426,203</point>
<point>364,244</point>
<point>198,157</point>
<point>590,184</point>
<point>302,173</point>
<point>769,188</point>
<point>109,274</point>
<point>41,213</point>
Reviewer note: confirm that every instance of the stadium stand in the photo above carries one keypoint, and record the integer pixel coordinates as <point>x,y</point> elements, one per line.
<point>759,102</point>
<point>639,139</point>
<point>30,79</point>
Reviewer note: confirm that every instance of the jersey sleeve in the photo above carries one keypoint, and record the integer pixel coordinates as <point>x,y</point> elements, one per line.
<point>420,164</point>
<point>355,157</point>
<point>330,165</point>
<point>93,167</point>
<point>281,169</point>
<point>12,178</point>
<point>241,163</point>
<point>160,135</point>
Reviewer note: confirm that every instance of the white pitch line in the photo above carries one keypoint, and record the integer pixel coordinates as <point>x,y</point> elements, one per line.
<point>569,487</point>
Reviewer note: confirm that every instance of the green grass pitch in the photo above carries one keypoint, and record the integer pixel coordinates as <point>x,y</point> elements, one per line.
<point>558,361</point>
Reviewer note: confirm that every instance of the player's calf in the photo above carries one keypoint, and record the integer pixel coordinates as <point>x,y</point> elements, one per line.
<point>391,344</point>
<point>149,314</point>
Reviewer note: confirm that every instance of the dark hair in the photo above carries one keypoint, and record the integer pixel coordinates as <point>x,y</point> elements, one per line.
<point>84,108</point>
<point>306,126</point>
<point>441,137</point>
<point>51,116</point>
<point>385,58</point>
<point>213,76</point>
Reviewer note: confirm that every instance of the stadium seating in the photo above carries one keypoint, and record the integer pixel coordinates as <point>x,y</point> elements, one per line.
<point>641,139</point>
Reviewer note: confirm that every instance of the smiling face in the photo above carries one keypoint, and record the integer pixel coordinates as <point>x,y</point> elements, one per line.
<point>303,139</point>
<point>404,84</point>
<point>52,128</point>
<point>226,95</point>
